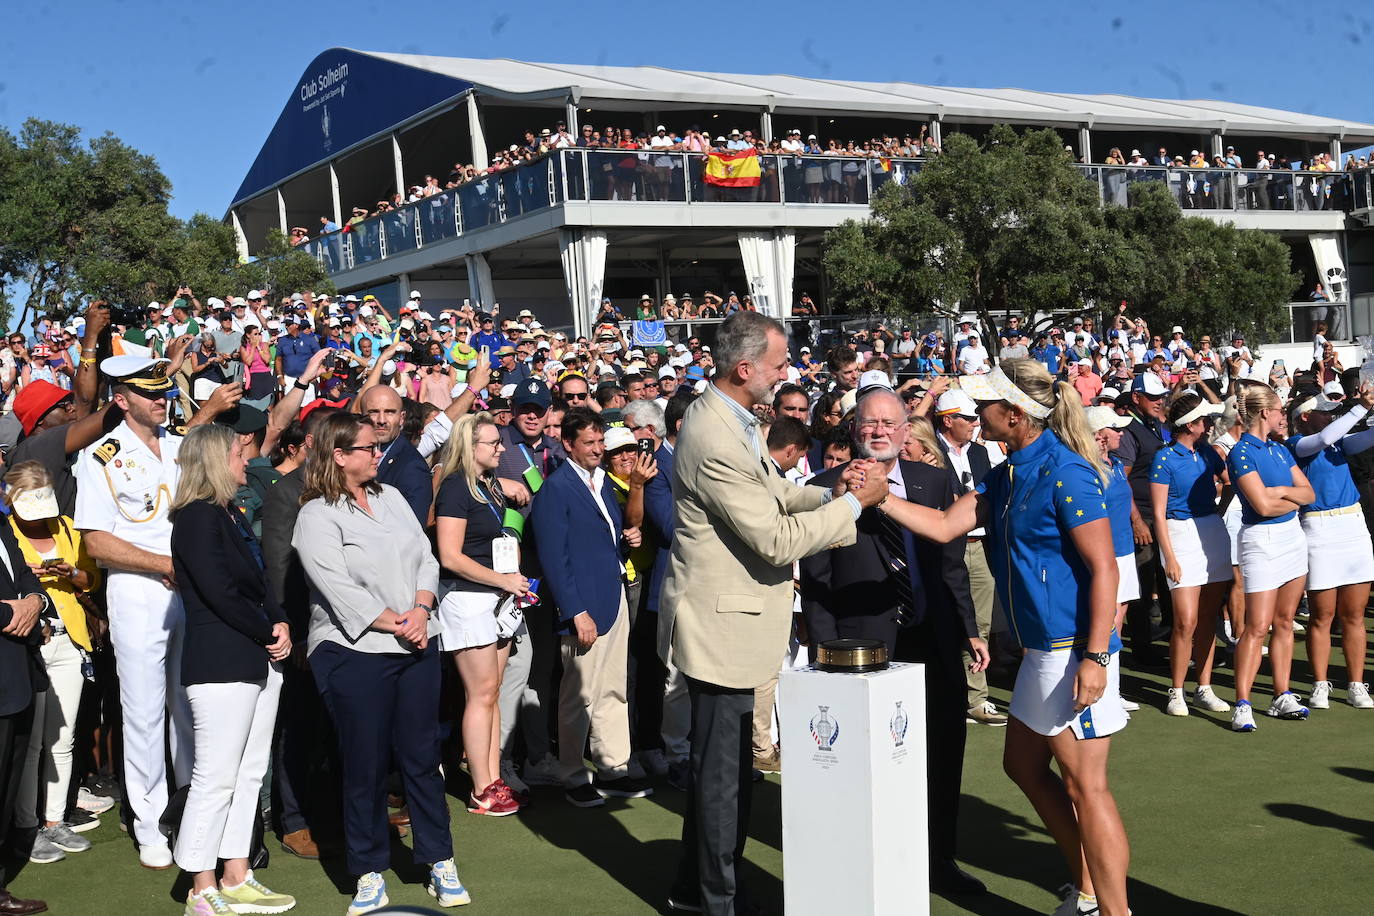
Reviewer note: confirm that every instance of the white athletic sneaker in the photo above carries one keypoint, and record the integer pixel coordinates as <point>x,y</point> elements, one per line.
<point>1242,717</point>
<point>1321,695</point>
<point>543,772</point>
<point>1130,705</point>
<point>1177,705</point>
<point>1359,696</point>
<point>1286,706</point>
<point>1206,698</point>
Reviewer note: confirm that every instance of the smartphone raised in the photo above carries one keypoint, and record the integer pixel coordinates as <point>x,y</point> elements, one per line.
<point>646,446</point>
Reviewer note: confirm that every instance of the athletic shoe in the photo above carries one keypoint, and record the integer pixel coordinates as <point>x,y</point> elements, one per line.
<point>492,801</point>
<point>45,851</point>
<point>1359,696</point>
<point>209,902</point>
<point>371,895</point>
<point>1177,705</point>
<point>622,787</point>
<point>1130,705</point>
<point>1206,698</point>
<point>1321,695</point>
<point>584,796</point>
<point>80,821</point>
<point>654,763</point>
<point>543,772</point>
<point>444,885</point>
<point>1227,636</point>
<point>65,839</point>
<point>87,800</point>
<point>1242,717</point>
<point>679,774</point>
<point>1298,628</point>
<point>511,780</point>
<point>1286,706</point>
<point>684,900</point>
<point>1069,905</point>
<point>155,857</point>
<point>252,897</point>
<point>986,714</point>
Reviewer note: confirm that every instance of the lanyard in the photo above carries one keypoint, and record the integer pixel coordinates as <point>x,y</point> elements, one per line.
<point>491,504</point>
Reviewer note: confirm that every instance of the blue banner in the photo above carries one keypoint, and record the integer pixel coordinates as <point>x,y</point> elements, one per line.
<point>343,97</point>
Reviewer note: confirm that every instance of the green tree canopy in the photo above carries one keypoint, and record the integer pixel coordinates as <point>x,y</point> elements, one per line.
<point>80,221</point>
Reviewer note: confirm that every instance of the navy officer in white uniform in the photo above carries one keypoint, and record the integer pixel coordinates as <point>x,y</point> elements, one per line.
<point>125,485</point>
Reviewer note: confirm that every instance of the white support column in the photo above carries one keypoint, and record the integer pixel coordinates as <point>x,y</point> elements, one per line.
<point>479,281</point>
<point>583,253</point>
<point>1336,151</point>
<point>1218,144</point>
<point>281,211</point>
<point>936,131</point>
<point>766,125</point>
<point>400,164</point>
<point>403,287</point>
<point>570,116</point>
<point>1085,143</point>
<point>241,240</point>
<point>334,192</point>
<point>480,157</point>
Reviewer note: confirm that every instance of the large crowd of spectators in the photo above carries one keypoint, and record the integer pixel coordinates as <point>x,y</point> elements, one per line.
<point>309,512</point>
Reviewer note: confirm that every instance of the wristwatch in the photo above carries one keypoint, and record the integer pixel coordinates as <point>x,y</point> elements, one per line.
<point>45,603</point>
<point>1102,658</point>
<point>428,608</point>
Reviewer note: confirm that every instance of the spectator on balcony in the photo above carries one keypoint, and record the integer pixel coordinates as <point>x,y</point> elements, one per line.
<point>327,225</point>
<point>299,235</point>
<point>974,358</point>
<point>1162,158</point>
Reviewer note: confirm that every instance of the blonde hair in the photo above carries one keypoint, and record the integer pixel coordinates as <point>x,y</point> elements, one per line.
<point>323,477</point>
<point>23,477</point>
<point>1253,401</point>
<point>204,462</point>
<point>458,452</point>
<point>924,433</point>
<point>1066,419</point>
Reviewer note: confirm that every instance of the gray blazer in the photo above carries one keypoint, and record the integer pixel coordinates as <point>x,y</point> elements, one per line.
<point>359,565</point>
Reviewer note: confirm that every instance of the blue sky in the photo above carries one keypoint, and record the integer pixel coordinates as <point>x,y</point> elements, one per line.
<point>199,85</point>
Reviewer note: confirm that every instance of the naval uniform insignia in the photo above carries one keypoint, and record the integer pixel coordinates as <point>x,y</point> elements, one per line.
<point>106,450</point>
<point>148,503</point>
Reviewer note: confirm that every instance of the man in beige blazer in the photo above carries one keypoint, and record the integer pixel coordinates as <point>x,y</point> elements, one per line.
<point>726,604</point>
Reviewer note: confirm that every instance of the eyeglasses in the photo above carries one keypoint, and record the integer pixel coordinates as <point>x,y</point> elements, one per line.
<point>494,443</point>
<point>879,425</point>
<point>575,396</point>
<point>375,448</point>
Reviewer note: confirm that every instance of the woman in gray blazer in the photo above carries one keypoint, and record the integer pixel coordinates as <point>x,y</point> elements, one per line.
<point>372,582</point>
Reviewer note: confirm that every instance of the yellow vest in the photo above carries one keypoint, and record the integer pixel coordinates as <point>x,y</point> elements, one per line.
<point>71,549</point>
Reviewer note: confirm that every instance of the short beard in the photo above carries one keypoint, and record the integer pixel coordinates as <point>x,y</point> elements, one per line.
<point>888,454</point>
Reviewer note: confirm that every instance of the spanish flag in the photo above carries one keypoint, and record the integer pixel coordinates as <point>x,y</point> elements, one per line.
<point>735,169</point>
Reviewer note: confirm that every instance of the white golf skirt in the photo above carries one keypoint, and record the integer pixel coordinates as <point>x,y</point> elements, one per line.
<point>1271,555</point>
<point>1232,522</point>
<point>1127,580</point>
<point>1043,699</point>
<point>1202,548</point>
<point>1339,551</point>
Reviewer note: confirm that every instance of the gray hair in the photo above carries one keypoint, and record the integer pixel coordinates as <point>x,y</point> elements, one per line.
<point>743,337</point>
<point>646,413</point>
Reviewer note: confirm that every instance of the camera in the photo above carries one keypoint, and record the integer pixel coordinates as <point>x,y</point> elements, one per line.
<point>126,315</point>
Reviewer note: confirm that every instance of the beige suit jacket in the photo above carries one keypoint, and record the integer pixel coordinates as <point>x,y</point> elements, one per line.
<point>726,606</point>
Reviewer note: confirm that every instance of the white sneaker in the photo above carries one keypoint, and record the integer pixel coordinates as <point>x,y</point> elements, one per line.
<point>1226,634</point>
<point>1359,696</point>
<point>1206,698</point>
<point>1286,706</point>
<point>1321,695</point>
<point>510,778</point>
<point>543,772</point>
<point>371,895</point>
<point>1242,717</point>
<point>1130,705</point>
<point>157,857</point>
<point>87,800</point>
<point>1178,704</point>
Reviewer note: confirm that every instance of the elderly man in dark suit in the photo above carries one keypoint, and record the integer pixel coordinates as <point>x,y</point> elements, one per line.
<point>22,600</point>
<point>912,595</point>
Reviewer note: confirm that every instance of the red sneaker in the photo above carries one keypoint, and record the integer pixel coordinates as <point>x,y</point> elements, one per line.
<point>521,798</point>
<point>493,801</point>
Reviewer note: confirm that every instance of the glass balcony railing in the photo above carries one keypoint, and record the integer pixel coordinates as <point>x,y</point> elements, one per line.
<point>648,176</point>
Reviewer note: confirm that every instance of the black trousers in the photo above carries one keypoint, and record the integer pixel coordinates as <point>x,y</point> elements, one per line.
<point>305,763</point>
<point>386,711</point>
<point>946,697</point>
<point>14,746</point>
<point>821,625</point>
<point>1150,568</point>
<point>718,795</point>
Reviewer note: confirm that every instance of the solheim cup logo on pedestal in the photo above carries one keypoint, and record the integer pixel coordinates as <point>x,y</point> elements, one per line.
<point>897,725</point>
<point>824,729</point>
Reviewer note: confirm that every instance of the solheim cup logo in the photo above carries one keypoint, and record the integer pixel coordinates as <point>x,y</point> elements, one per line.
<point>897,725</point>
<point>824,729</point>
<point>324,122</point>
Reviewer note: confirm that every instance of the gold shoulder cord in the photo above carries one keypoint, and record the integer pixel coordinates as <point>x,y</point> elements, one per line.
<point>161,491</point>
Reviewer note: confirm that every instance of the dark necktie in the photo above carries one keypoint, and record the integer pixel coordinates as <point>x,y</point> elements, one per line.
<point>900,560</point>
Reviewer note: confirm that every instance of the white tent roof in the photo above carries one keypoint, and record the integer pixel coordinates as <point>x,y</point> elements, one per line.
<point>531,81</point>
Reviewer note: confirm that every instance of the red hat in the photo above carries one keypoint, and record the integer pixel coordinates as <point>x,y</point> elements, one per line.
<point>321,402</point>
<point>37,398</point>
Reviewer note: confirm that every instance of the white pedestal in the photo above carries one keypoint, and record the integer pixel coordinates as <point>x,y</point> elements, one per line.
<point>854,792</point>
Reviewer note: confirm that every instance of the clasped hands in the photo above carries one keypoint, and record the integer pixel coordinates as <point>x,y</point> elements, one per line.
<point>865,479</point>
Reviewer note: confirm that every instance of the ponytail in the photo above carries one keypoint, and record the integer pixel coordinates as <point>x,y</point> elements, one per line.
<point>1070,423</point>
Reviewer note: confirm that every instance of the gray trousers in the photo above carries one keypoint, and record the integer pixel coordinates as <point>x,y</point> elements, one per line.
<point>980,583</point>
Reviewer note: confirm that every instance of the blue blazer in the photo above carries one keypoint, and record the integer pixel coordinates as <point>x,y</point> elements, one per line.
<point>658,509</point>
<point>581,559</point>
<point>404,469</point>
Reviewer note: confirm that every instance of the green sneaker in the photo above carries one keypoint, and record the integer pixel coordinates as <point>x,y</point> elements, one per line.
<point>207,903</point>
<point>252,897</point>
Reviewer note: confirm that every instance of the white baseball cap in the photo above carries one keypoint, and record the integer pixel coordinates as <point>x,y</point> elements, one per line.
<point>956,400</point>
<point>1102,417</point>
<point>875,378</point>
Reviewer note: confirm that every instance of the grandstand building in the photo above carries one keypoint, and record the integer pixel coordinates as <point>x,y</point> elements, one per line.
<point>560,231</point>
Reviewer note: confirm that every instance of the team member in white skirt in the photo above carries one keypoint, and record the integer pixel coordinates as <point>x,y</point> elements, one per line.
<point>1226,433</point>
<point>1193,543</point>
<point>1340,558</point>
<point>1273,551</point>
<point>468,512</point>
<point>1106,425</point>
<point>1050,546</point>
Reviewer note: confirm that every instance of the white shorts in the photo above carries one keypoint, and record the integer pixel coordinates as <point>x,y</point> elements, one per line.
<point>469,619</point>
<point>1043,698</point>
<point>1271,555</point>
<point>1338,550</point>
<point>1127,579</point>
<point>1203,550</point>
<point>1232,521</point>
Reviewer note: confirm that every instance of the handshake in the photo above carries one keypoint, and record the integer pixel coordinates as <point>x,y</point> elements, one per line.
<point>865,479</point>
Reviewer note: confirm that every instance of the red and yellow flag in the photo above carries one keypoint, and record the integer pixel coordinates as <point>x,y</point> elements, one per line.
<point>735,169</point>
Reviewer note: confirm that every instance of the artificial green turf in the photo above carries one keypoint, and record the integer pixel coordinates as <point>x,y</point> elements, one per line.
<point>1275,822</point>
